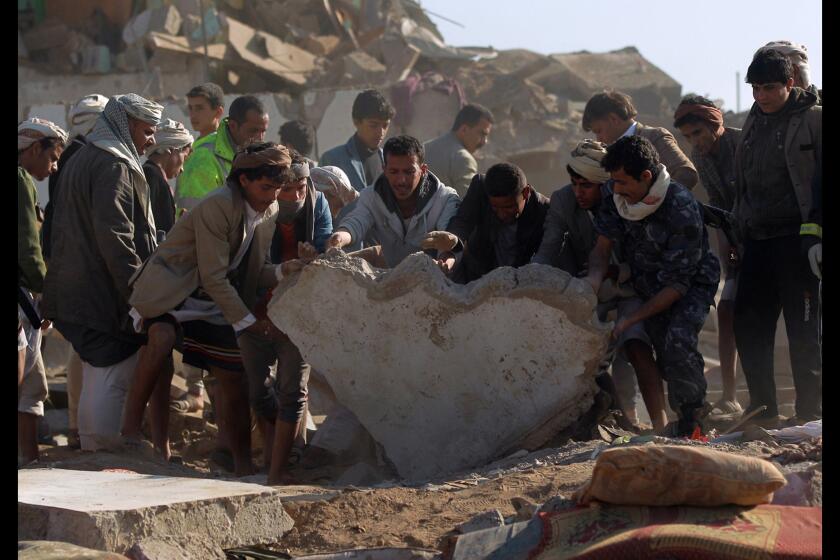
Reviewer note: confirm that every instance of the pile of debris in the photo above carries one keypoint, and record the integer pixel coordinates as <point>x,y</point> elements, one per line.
<point>321,49</point>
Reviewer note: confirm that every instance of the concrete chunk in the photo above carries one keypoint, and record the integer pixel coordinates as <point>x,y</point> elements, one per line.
<point>445,376</point>
<point>113,511</point>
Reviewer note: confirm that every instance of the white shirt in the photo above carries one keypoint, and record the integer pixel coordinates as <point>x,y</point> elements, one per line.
<point>631,130</point>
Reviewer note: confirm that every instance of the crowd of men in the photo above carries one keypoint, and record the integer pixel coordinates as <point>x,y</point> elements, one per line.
<point>128,269</point>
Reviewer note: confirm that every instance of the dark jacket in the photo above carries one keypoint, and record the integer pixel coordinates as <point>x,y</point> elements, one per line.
<point>101,236</point>
<point>163,202</point>
<point>347,158</point>
<point>476,226</point>
<point>312,225</point>
<point>721,190</point>
<point>763,207</point>
<point>74,146</point>
<point>676,162</point>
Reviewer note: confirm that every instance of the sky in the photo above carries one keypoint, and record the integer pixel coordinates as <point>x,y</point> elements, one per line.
<point>701,45</point>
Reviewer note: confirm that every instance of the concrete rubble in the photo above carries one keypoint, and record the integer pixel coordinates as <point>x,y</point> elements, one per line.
<point>116,511</point>
<point>436,393</point>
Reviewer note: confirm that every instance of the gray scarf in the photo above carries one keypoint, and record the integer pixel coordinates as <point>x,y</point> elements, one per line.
<point>288,210</point>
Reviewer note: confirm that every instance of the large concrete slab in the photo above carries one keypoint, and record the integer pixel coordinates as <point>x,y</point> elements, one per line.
<point>446,376</point>
<point>112,511</point>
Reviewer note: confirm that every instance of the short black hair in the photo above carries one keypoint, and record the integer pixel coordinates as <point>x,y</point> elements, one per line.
<point>298,134</point>
<point>693,99</point>
<point>241,105</point>
<point>211,92</point>
<point>404,145</point>
<point>470,114</point>
<point>504,179</point>
<point>280,174</point>
<point>634,154</point>
<point>371,104</point>
<point>602,104</point>
<point>768,67</point>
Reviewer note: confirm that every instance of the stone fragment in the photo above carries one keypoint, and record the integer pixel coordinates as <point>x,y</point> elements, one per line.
<point>486,520</point>
<point>113,511</point>
<point>446,376</point>
<point>54,550</point>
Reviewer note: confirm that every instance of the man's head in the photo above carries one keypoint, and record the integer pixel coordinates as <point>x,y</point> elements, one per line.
<point>608,115</point>
<point>700,122</point>
<point>771,76</point>
<point>142,134</point>
<point>587,174</point>
<point>84,113</point>
<point>40,143</point>
<point>259,171</point>
<point>472,126</point>
<point>294,190</point>
<point>298,135</point>
<point>173,144</point>
<point>372,116</point>
<point>507,190</point>
<point>633,164</point>
<point>248,121</point>
<point>334,183</point>
<point>404,165</point>
<point>206,105</point>
<point>798,56</point>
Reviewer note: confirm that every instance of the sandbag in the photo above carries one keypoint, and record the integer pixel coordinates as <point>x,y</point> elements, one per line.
<point>669,475</point>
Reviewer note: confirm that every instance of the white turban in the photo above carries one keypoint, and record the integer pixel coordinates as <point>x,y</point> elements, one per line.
<point>34,129</point>
<point>141,108</point>
<point>85,112</point>
<point>586,161</point>
<point>333,180</point>
<point>170,134</point>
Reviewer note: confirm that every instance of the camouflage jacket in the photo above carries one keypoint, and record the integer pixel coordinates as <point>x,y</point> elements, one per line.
<point>669,248</point>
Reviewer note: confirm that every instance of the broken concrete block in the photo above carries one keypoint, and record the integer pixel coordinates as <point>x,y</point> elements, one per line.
<point>321,45</point>
<point>53,550</point>
<point>487,520</point>
<point>446,376</point>
<point>342,439</point>
<point>113,511</point>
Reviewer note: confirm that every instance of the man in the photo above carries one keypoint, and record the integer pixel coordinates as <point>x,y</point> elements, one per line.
<point>205,105</point>
<point>82,117</point>
<point>611,115</point>
<point>361,157</point>
<point>798,56</point>
<point>40,143</point>
<point>568,240</point>
<point>210,163</point>
<point>335,185</point>
<point>103,230</point>
<point>776,159</point>
<point>660,226</point>
<point>165,162</point>
<point>299,136</point>
<point>450,156</point>
<point>405,203</point>
<point>200,286</point>
<point>713,154</point>
<point>499,223</point>
<point>303,225</point>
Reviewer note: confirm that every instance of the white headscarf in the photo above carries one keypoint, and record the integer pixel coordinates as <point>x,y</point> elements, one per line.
<point>34,129</point>
<point>84,113</point>
<point>586,161</point>
<point>170,134</point>
<point>333,180</point>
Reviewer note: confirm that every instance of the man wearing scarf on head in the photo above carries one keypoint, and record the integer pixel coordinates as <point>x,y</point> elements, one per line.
<point>713,155</point>
<point>664,240</point>
<point>40,144</point>
<point>82,117</point>
<point>569,237</point>
<point>103,230</point>
<point>200,287</point>
<point>798,56</point>
<point>303,225</point>
<point>165,162</point>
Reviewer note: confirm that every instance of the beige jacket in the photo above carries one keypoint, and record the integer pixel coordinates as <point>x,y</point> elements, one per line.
<point>197,253</point>
<point>676,162</point>
<point>451,163</point>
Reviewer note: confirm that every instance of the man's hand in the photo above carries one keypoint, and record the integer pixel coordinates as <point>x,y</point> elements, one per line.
<point>620,326</point>
<point>263,327</point>
<point>294,265</point>
<point>446,262</point>
<point>815,259</point>
<point>306,251</point>
<point>338,240</point>
<point>442,241</point>
<point>45,325</point>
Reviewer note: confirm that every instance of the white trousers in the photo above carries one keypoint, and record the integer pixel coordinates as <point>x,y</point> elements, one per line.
<point>101,402</point>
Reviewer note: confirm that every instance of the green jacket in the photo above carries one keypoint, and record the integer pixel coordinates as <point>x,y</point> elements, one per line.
<point>31,267</point>
<point>206,169</point>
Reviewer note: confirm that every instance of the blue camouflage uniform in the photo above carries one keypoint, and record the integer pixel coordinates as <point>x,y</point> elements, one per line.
<point>670,248</point>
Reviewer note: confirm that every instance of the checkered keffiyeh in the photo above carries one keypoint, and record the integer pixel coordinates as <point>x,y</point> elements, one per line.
<point>111,132</point>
